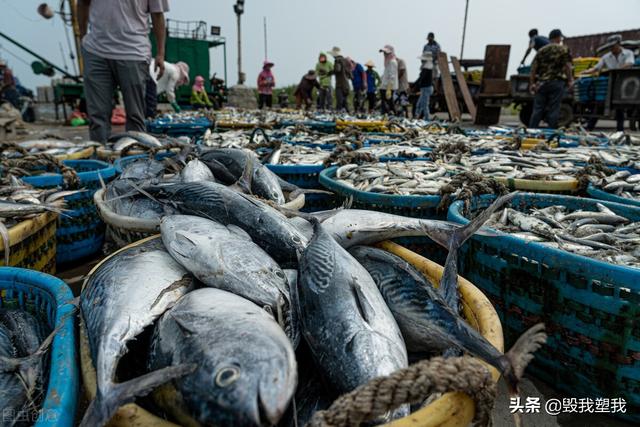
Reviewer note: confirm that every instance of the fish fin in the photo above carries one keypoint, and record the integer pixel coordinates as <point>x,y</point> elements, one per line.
<point>6,243</point>
<point>295,193</point>
<point>449,280</point>
<point>246,179</point>
<point>519,356</point>
<point>183,244</point>
<point>105,405</point>
<point>362,302</point>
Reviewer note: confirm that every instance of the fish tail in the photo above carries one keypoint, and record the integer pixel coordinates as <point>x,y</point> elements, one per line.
<point>457,238</point>
<point>519,356</point>
<point>106,403</point>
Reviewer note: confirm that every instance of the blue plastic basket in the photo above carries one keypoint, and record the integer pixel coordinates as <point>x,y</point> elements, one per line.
<point>599,194</point>
<point>193,127</point>
<point>412,206</point>
<point>591,308</point>
<point>48,297</point>
<point>80,230</point>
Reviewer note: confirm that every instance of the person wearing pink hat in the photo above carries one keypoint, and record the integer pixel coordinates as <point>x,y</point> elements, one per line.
<point>199,96</point>
<point>266,83</point>
<point>389,80</point>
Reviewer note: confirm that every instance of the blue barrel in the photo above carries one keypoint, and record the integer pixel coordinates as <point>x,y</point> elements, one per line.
<point>80,230</point>
<point>591,308</point>
<point>48,298</point>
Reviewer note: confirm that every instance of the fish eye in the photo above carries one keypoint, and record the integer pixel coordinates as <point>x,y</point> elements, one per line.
<point>296,239</point>
<point>279,273</point>
<point>227,376</point>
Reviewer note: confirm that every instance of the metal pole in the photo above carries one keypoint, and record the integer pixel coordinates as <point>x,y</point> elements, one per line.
<point>240,79</point>
<point>266,56</point>
<point>464,28</point>
<point>224,49</point>
<point>76,34</point>
<point>26,49</point>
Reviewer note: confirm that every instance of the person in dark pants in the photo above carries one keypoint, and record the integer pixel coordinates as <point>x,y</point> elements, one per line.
<point>373,81</point>
<point>536,42</point>
<point>266,83</point>
<point>151,98</point>
<point>551,75</point>
<point>342,72</point>
<point>389,81</point>
<point>425,84</point>
<point>116,53</point>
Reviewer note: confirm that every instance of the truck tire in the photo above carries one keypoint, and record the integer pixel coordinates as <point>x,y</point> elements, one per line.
<point>566,115</point>
<point>525,113</point>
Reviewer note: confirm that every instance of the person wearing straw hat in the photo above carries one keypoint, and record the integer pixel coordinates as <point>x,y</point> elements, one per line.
<point>373,81</point>
<point>304,91</point>
<point>324,70</point>
<point>266,83</point>
<point>389,80</point>
<point>425,84</point>
<point>342,73</point>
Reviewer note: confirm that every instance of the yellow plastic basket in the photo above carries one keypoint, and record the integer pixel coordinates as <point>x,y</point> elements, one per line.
<point>529,143</point>
<point>540,186</point>
<point>365,125</point>
<point>450,410</point>
<point>86,153</point>
<point>583,63</point>
<point>32,244</point>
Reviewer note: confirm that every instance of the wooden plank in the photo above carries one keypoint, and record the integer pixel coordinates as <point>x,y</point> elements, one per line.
<point>462,83</point>
<point>496,61</point>
<point>449,90</point>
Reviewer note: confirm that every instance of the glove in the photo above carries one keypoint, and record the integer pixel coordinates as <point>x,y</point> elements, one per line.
<point>176,107</point>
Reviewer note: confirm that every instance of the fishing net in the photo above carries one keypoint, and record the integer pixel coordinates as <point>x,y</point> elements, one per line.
<point>467,185</point>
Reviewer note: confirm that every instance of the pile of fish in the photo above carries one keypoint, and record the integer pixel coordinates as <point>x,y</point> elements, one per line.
<point>400,178</point>
<point>237,308</point>
<point>24,373</point>
<point>600,234</point>
<point>51,146</point>
<point>522,165</point>
<point>622,183</point>
<point>229,168</point>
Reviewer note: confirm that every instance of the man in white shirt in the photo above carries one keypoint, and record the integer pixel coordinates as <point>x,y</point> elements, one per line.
<point>618,58</point>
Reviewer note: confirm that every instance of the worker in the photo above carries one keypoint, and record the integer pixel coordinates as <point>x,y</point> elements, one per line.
<point>536,42</point>
<point>342,73</point>
<point>359,83</point>
<point>175,75</point>
<point>199,95</point>
<point>373,81</point>
<point>433,47</point>
<point>618,58</point>
<point>266,83</point>
<point>425,84</point>
<point>116,52</point>
<point>389,80</point>
<point>324,70</point>
<point>8,91</point>
<point>402,96</point>
<point>304,91</point>
<point>551,75</point>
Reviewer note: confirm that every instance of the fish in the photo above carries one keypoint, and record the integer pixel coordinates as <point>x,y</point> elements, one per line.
<point>267,227</point>
<point>142,138</point>
<point>12,209</point>
<point>22,372</point>
<point>345,322</point>
<point>600,234</point>
<point>246,368</point>
<point>195,170</point>
<point>225,257</point>
<point>143,168</point>
<point>429,324</point>
<point>121,297</point>
<point>263,182</point>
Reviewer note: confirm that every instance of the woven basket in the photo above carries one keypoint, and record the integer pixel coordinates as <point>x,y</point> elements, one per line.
<point>590,307</point>
<point>48,298</point>
<point>32,244</point>
<point>451,409</point>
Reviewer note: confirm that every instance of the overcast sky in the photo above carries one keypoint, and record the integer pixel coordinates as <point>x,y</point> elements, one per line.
<point>299,29</point>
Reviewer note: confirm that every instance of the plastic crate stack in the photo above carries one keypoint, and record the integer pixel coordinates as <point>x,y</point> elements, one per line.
<point>591,89</point>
